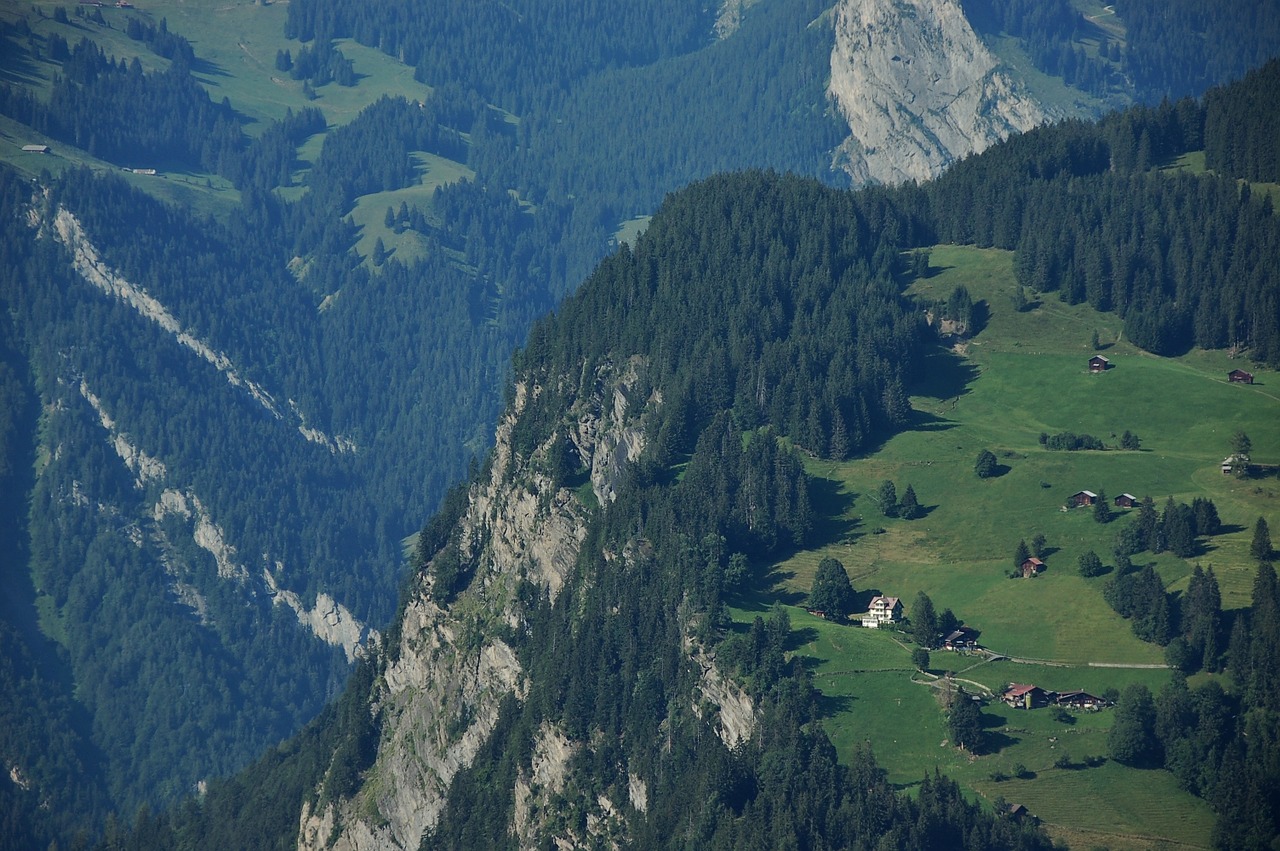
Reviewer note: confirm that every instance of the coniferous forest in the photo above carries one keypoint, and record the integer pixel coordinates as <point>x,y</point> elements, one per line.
<point>171,478</point>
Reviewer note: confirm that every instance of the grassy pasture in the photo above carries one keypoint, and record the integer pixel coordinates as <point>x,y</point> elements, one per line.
<point>1022,374</point>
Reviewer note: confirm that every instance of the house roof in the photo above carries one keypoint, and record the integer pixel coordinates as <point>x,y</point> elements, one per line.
<point>1035,561</point>
<point>1127,496</point>
<point>1067,695</point>
<point>1018,690</point>
<point>1089,494</point>
<point>960,634</point>
<point>888,602</point>
<point>1098,357</point>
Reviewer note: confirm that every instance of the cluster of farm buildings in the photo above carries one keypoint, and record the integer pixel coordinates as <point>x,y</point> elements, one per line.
<point>1021,696</point>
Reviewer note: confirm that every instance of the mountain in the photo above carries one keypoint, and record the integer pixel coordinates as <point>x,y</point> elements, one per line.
<point>262,289</point>
<point>576,660</point>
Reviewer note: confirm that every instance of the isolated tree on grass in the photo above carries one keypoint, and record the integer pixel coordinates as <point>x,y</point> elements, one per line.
<point>1039,546</point>
<point>924,621</point>
<point>888,496</point>
<point>920,658</point>
<point>1130,441</point>
<point>1021,554</point>
<point>831,591</point>
<point>1102,508</point>
<point>965,722</point>
<point>1241,444</point>
<point>1260,549</point>
<point>1090,564</point>
<point>909,507</point>
<point>986,465</point>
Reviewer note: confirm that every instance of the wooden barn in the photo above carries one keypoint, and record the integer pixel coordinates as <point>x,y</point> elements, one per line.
<point>1098,363</point>
<point>1079,499</point>
<point>1126,500</point>
<point>1239,376</point>
<point>1031,567</point>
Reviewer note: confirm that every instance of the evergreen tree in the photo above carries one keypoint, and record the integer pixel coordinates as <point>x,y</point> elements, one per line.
<point>1132,737</point>
<point>831,591</point>
<point>1241,444</point>
<point>986,465</point>
<point>909,508</point>
<point>920,658</point>
<point>1130,441</point>
<point>965,722</point>
<point>888,498</point>
<point>1260,549</point>
<point>924,621</point>
<point>1039,546</point>
<point>1102,508</point>
<point>1020,554</point>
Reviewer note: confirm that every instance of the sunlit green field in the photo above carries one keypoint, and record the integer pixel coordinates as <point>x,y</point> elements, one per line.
<point>1023,374</point>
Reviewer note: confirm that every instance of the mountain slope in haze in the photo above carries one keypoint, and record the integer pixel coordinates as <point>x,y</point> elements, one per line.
<point>247,405</point>
<point>562,668</point>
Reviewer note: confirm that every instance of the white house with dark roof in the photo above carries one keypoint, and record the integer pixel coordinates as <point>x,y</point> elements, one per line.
<point>883,610</point>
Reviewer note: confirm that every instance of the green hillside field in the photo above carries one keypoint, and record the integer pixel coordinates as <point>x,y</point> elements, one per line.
<point>1025,373</point>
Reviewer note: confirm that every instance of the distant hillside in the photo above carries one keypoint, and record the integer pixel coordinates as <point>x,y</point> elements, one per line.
<point>586,650</point>
<point>267,263</point>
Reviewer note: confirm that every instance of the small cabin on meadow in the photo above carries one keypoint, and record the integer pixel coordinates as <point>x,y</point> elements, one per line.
<point>1079,499</point>
<point>1080,700</point>
<point>1126,500</point>
<point>1027,696</point>
<point>1098,363</point>
<point>1031,567</point>
<point>883,610</point>
<point>44,149</point>
<point>1239,376</point>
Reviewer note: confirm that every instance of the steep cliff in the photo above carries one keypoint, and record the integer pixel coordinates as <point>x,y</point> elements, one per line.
<point>918,89</point>
<point>441,688</point>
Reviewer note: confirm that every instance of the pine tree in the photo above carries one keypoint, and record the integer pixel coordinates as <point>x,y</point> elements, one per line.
<point>924,621</point>
<point>1039,546</point>
<point>1021,554</point>
<point>1260,549</point>
<point>986,465</point>
<point>909,507</point>
<point>1132,738</point>
<point>1102,508</point>
<point>965,722</point>
<point>888,497</point>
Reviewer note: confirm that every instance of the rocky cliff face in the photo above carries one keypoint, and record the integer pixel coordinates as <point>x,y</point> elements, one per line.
<point>918,90</point>
<point>438,697</point>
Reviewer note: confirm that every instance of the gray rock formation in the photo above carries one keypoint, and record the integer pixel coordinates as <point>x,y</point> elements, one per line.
<point>918,89</point>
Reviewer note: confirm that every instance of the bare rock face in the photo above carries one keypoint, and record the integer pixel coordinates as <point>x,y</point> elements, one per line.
<point>918,89</point>
<point>440,693</point>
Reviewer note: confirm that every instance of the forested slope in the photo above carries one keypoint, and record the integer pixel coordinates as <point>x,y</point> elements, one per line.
<point>653,438</point>
<point>208,501</point>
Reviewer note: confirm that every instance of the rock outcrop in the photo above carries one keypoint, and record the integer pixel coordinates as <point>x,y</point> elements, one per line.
<point>918,89</point>
<point>442,686</point>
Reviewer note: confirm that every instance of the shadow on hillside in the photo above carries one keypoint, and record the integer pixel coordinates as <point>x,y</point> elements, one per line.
<point>944,375</point>
<point>799,638</point>
<point>18,66</point>
<point>831,705</point>
<point>830,503</point>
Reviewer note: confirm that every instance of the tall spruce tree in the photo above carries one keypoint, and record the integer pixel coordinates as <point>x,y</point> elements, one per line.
<point>924,621</point>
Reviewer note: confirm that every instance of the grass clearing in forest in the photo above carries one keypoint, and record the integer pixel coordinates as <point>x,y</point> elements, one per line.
<point>1022,374</point>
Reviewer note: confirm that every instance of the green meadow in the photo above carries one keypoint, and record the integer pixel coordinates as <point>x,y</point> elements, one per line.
<point>1022,374</point>
<point>236,44</point>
